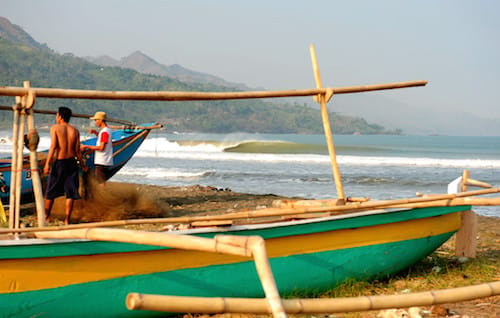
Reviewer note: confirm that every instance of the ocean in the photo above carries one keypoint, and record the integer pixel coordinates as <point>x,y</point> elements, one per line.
<point>374,166</point>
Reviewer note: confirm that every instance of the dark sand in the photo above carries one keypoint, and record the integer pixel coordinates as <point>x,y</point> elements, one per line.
<point>116,201</point>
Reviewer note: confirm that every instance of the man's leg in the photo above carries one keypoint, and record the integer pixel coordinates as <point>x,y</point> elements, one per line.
<point>48,207</point>
<point>69,209</point>
<point>100,174</point>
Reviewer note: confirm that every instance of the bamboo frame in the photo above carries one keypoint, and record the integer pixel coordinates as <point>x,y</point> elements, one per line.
<point>461,198</point>
<point>186,96</point>
<point>247,246</point>
<point>219,305</point>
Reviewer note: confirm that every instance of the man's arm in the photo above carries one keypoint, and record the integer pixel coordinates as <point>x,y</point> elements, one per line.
<point>100,147</point>
<point>78,152</point>
<point>52,150</point>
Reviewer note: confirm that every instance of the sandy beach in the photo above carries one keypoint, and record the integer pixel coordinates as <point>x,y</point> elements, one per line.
<point>127,201</point>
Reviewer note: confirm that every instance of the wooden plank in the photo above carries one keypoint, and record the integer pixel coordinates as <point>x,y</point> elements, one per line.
<point>465,242</point>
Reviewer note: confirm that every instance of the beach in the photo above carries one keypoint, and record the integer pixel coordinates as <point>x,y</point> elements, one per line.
<point>117,200</point>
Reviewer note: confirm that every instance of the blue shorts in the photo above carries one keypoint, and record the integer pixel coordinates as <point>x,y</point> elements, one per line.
<point>63,179</point>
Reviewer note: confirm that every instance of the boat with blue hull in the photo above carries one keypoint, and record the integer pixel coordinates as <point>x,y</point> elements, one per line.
<point>126,141</point>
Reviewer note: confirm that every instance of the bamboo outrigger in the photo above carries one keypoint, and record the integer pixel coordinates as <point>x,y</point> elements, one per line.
<point>53,271</point>
<point>220,305</point>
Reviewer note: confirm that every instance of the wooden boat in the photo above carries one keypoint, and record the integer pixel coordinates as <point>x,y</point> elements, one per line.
<point>53,277</point>
<point>126,141</point>
<point>57,272</point>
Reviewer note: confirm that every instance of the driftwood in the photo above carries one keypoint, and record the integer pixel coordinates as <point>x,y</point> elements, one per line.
<point>219,305</point>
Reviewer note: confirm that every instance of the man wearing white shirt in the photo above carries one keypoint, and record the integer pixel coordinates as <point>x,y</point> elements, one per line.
<point>103,157</point>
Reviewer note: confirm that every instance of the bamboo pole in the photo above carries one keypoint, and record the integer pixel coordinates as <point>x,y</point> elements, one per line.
<point>248,246</point>
<point>52,112</point>
<point>136,127</point>
<point>219,305</point>
<point>450,202</point>
<point>19,159</point>
<point>457,199</point>
<point>326,126</point>
<point>477,183</point>
<point>185,96</point>
<point>187,242</point>
<point>14,167</point>
<point>35,171</point>
<point>465,177</point>
<point>438,201</point>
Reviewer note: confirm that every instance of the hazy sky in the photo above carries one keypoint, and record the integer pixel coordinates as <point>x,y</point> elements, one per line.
<point>453,44</point>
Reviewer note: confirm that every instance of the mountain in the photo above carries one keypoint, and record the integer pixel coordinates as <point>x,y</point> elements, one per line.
<point>103,60</point>
<point>144,64</point>
<point>16,34</point>
<point>25,59</point>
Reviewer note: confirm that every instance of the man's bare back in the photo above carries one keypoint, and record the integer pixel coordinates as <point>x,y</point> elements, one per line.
<point>65,143</point>
<point>67,140</point>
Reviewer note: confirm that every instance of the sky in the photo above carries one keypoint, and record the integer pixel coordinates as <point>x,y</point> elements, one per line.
<point>453,44</point>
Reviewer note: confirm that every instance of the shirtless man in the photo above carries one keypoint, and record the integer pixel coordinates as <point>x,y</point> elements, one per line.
<point>63,177</point>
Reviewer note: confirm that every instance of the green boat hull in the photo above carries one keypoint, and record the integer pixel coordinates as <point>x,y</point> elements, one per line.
<point>307,272</point>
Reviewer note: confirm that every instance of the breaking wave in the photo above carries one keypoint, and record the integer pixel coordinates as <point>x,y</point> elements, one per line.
<point>279,151</point>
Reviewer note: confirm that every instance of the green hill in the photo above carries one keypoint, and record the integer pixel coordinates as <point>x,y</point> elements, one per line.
<point>45,68</point>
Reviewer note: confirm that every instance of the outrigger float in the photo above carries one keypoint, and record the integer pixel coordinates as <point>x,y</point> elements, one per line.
<point>235,262</point>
